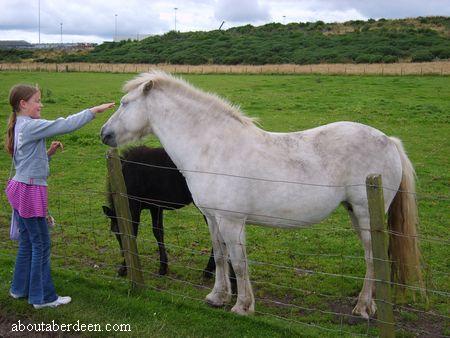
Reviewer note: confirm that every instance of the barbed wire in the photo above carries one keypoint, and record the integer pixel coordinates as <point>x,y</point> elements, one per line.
<point>309,271</point>
<point>78,226</point>
<point>123,160</point>
<point>293,226</point>
<point>310,254</point>
<point>264,179</point>
<point>267,300</point>
<point>362,258</point>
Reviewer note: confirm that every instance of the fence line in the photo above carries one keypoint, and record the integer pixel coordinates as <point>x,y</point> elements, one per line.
<point>306,271</point>
<point>311,272</point>
<point>418,195</point>
<point>361,258</point>
<point>266,300</point>
<point>397,69</point>
<point>201,300</point>
<point>161,204</point>
<point>261,179</point>
<point>278,251</point>
<point>379,238</point>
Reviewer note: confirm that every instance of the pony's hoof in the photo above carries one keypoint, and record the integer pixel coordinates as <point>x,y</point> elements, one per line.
<point>365,310</point>
<point>243,310</point>
<point>122,271</point>
<point>216,299</point>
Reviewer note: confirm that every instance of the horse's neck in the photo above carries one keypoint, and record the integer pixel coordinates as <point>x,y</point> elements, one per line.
<point>188,132</point>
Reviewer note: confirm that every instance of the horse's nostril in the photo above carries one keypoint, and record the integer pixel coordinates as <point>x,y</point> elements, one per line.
<point>108,139</point>
<point>105,137</point>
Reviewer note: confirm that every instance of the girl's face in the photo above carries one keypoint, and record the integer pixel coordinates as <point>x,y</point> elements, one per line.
<point>32,107</point>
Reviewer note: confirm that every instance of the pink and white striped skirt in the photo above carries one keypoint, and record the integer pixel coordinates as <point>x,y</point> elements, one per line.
<point>29,200</point>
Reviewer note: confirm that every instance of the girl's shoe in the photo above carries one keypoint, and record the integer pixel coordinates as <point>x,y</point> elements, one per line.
<point>13,295</point>
<point>59,301</point>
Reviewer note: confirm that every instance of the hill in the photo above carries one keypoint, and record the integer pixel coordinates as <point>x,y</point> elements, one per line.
<point>373,41</point>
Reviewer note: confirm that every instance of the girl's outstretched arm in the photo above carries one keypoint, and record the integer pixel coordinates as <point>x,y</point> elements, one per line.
<point>101,108</point>
<point>39,128</point>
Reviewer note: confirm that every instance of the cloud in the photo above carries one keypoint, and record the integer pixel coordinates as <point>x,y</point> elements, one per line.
<point>240,11</point>
<point>83,17</point>
<point>95,19</point>
<point>383,8</point>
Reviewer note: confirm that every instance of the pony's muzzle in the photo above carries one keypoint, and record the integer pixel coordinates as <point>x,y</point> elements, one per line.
<point>108,138</point>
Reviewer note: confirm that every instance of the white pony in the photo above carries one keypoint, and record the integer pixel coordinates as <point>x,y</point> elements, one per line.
<point>238,173</point>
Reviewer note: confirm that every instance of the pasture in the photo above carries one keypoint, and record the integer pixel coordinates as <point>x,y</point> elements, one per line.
<point>305,281</point>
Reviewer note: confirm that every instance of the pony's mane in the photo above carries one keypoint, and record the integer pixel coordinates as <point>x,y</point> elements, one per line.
<point>162,79</point>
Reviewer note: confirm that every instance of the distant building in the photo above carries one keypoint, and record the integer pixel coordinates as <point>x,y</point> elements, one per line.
<point>15,44</point>
<point>137,37</point>
<point>71,46</point>
<point>21,44</point>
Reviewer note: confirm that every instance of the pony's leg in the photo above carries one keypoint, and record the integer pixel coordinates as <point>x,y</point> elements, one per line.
<point>220,293</point>
<point>210,267</point>
<point>122,269</point>
<point>135,213</point>
<point>158,231</point>
<point>233,232</point>
<point>361,222</point>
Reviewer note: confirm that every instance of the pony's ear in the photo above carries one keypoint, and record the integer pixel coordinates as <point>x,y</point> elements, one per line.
<point>148,86</point>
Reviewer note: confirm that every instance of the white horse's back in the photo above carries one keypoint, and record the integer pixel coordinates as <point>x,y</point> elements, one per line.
<point>295,179</point>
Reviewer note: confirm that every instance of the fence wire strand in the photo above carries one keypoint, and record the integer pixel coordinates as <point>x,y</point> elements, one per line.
<point>180,247</point>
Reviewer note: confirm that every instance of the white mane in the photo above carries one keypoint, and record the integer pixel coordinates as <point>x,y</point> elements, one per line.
<point>164,80</point>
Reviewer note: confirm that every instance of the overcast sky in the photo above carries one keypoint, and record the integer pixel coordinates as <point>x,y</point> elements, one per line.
<point>95,20</point>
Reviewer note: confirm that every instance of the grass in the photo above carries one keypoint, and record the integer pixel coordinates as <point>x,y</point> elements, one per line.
<point>85,254</point>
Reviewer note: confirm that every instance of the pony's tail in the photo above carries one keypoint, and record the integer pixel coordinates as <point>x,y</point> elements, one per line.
<point>404,250</point>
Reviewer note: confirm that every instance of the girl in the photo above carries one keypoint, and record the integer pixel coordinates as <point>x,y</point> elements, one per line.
<point>27,190</point>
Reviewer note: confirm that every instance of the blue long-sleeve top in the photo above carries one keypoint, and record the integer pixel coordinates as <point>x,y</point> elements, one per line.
<point>30,154</point>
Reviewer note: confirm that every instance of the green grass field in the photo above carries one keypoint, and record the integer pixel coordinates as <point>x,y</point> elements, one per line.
<point>85,254</point>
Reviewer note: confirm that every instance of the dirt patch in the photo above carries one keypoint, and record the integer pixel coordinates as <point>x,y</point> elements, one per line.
<point>420,324</point>
<point>408,321</point>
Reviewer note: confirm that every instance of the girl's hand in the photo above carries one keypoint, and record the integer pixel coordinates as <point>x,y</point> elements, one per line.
<point>101,108</point>
<point>54,147</point>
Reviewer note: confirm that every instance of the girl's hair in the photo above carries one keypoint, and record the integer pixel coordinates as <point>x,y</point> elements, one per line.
<point>16,94</point>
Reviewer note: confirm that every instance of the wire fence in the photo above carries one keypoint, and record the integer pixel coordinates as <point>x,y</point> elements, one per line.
<point>407,68</point>
<point>309,277</point>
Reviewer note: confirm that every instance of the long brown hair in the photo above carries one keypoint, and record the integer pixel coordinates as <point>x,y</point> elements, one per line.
<point>16,94</point>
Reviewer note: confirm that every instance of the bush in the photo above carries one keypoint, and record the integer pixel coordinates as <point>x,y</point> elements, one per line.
<point>441,52</point>
<point>302,43</point>
<point>369,58</point>
<point>390,59</point>
<point>422,56</point>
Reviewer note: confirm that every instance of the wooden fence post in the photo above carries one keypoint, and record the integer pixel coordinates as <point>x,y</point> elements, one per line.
<point>380,255</point>
<point>129,245</point>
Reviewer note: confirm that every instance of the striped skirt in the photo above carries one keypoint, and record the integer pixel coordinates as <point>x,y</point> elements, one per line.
<point>29,200</point>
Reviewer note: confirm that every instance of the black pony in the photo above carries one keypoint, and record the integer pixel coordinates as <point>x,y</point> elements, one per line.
<point>150,185</point>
